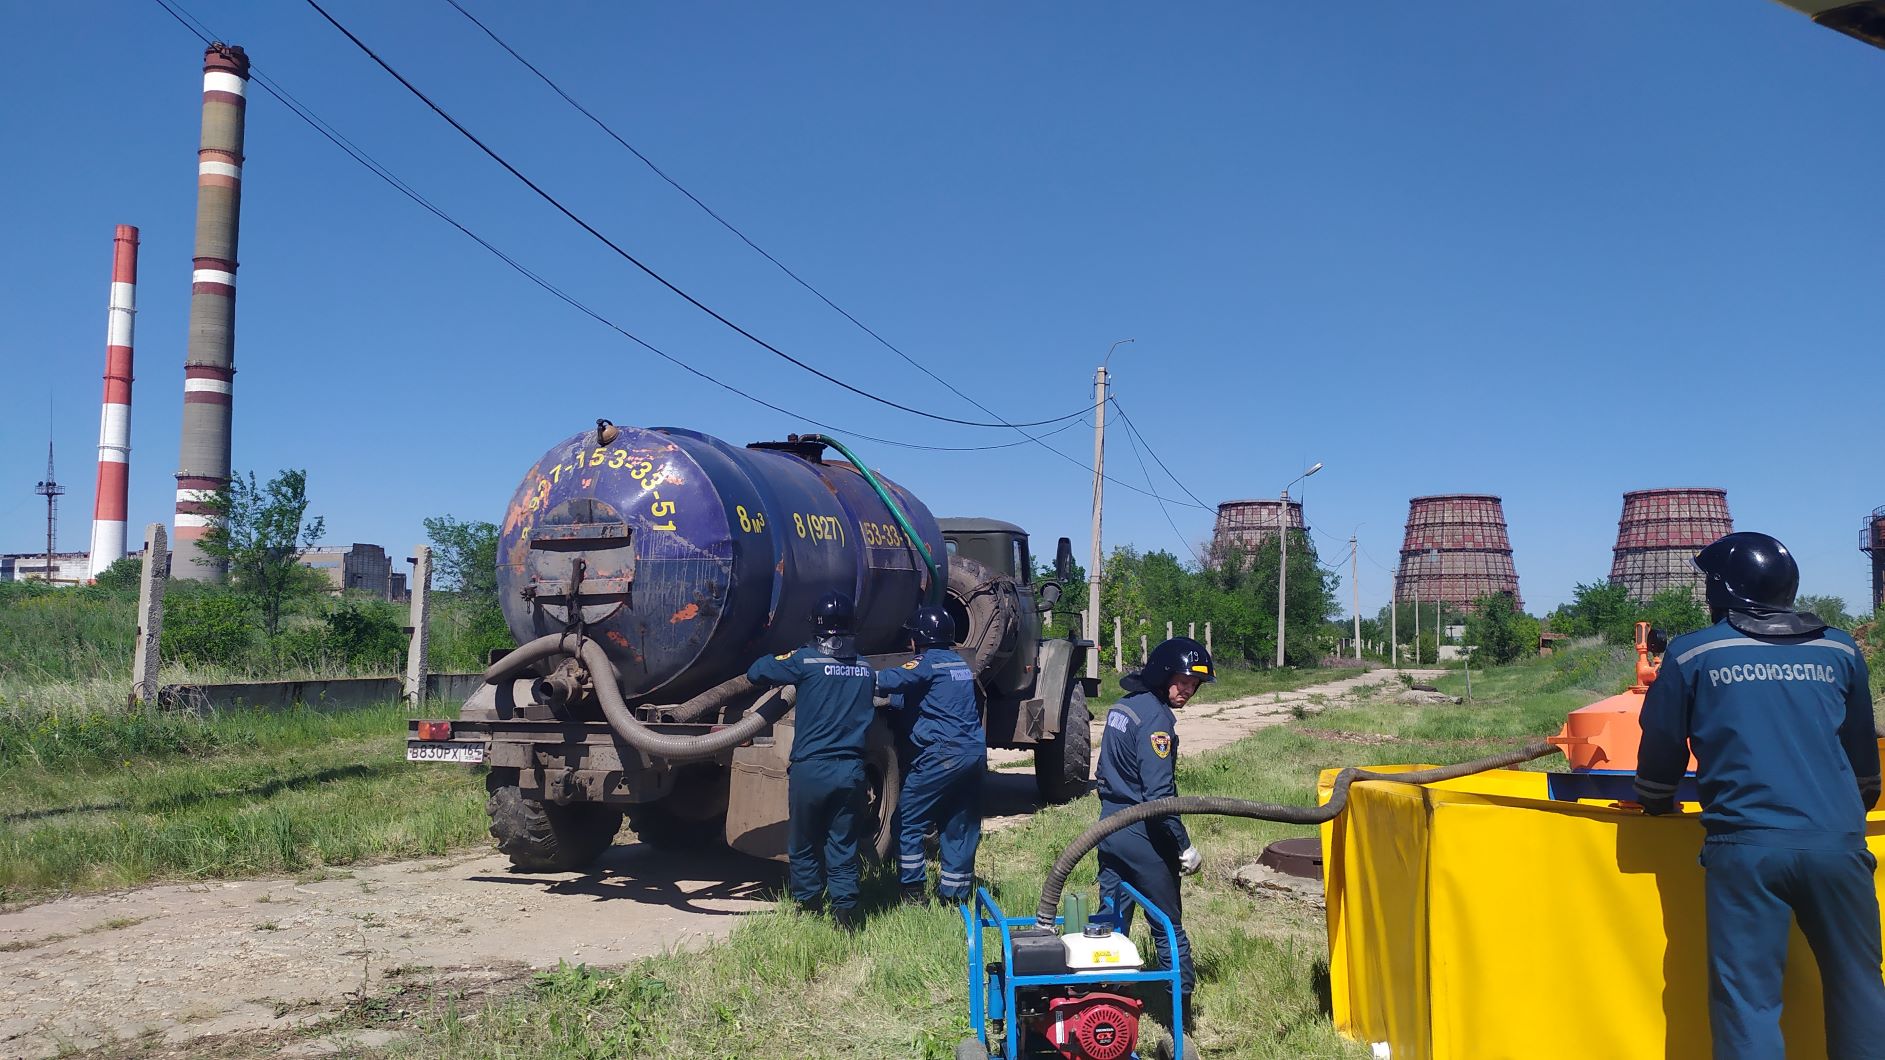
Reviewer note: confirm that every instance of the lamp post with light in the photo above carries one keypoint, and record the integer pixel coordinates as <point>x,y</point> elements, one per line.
<point>1282,569</point>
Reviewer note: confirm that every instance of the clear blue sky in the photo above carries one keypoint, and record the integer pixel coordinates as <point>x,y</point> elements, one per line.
<point>1552,253</point>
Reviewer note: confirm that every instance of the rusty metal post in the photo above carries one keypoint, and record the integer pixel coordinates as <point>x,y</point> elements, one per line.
<point>418,647</point>
<point>150,615</point>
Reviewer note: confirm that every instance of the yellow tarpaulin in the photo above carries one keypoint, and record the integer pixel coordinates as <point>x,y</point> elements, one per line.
<point>1479,919</point>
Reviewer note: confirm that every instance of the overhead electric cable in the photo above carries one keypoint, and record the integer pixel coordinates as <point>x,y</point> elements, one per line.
<point>557,204</point>
<point>1134,428</point>
<point>320,125</point>
<point>1161,504</point>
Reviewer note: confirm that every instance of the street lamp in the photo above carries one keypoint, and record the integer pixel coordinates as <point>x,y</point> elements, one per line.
<point>1863,20</point>
<point>1282,569</point>
<point>1092,630</point>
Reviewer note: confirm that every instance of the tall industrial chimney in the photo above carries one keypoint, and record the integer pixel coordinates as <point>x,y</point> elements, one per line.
<point>111,500</point>
<point>210,367</point>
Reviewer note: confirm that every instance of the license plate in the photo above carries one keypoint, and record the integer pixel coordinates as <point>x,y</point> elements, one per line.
<point>420,751</point>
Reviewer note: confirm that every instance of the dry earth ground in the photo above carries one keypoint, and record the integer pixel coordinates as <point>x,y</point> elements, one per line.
<point>261,961</point>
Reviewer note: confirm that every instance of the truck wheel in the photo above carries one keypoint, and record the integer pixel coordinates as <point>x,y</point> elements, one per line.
<point>545,837</point>
<point>982,603</point>
<point>691,817</point>
<point>1063,764</point>
<point>883,785</point>
<point>971,1049</point>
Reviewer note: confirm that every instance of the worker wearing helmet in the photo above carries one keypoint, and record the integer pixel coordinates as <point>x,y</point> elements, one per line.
<point>947,753</point>
<point>1138,756</point>
<point>1777,709</point>
<point>825,790</point>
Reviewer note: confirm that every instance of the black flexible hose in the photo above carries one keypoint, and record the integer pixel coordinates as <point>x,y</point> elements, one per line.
<point>1262,811</point>
<point>631,729</point>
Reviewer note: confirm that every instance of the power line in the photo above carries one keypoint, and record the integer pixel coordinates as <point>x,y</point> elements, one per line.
<point>306,114</point>
<point>1134,429</point>
<point>637,262</point>
<point>1161,504</point>
<point>320,125</point>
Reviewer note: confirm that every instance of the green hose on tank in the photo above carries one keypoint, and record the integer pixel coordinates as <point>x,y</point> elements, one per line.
<point>936,581</point>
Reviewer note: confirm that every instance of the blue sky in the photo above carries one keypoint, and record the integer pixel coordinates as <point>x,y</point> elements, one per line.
<point>1552,254</point>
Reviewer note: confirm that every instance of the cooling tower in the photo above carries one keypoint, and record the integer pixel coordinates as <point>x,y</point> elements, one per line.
<point>1456,550</point>
<point>1660,533</point>
<point>1245,526</point>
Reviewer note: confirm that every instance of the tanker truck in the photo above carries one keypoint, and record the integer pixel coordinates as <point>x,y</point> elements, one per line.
<point>641,570</point>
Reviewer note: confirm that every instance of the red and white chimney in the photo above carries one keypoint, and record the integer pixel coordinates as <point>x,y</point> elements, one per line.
<point>111,501</point>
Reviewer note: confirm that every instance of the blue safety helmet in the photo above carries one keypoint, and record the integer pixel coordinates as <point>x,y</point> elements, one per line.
<point>931,627</point>
<point>834,613</point>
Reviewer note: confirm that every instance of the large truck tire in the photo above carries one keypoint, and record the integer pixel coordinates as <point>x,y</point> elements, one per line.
<point>883,786</point>
<point>544,837</point>
<point>983,604</point>
<point>1064,764</point>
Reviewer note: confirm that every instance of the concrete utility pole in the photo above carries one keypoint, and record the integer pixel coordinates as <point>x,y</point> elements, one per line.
<point>1282,569</point>
<point>1354,585</point>
<point>150,615</point>
<point>1090,628</point>
<point>419,646</point>
<point>1119,645</point>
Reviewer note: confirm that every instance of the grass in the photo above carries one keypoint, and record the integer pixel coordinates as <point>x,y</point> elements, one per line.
<point>121,800</point>
<point>787,985</point>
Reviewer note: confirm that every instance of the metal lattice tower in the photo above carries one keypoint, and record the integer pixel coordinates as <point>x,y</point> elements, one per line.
<point>52,491</point>
<point>1872,543</point>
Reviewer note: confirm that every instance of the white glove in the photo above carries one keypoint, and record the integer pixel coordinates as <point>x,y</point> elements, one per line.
<point>1190,861</point>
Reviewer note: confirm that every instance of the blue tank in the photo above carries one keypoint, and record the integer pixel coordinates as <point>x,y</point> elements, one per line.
<point>687,557</point>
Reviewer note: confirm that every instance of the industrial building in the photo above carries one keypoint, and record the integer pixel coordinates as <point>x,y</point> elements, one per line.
<point>1659,534</point>
<point>357,567</point>
<point>68,568</point>
<point>1246,526</point>
<point>1455,551</point>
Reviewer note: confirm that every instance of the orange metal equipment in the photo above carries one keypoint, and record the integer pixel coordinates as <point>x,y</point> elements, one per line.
<point>1604,736</point>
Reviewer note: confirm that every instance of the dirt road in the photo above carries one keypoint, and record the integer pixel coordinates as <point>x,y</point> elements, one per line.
<point>189,961</point>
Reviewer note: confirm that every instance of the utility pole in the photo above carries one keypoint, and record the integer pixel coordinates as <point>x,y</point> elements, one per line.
<point>1282,569</point>
<point>1416,625</point>
<point>1354,585</point>
<point>1091,626</point>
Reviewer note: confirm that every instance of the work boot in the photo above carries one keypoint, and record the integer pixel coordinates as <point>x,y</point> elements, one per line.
<point>913,894</point>
<point>846,919</point>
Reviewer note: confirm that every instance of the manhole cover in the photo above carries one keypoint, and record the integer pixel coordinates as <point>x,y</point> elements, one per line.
<point>1294,857</point>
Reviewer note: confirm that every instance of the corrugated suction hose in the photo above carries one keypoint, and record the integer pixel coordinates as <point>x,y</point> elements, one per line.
<point>630,728</point>
<point>1262,811</point>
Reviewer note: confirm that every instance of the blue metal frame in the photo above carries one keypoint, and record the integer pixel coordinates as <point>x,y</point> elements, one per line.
<point>1613,784</point>
<point>991,1000</point>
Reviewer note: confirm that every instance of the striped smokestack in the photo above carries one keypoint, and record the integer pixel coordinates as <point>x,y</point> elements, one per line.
<point>210,369</point>
<point>114,420</point>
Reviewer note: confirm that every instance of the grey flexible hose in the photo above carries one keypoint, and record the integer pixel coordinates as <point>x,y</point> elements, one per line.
<point>630,728</point>
<point>1262,811</point>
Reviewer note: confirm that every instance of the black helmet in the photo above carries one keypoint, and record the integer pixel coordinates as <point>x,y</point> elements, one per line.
<point>931,626</point>
<point>834,613</point>
<point>1177,656</point>
<point>1748,570</point>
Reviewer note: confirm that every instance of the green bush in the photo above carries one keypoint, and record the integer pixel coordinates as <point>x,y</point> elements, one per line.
<point>366,634</point>
<point>207,625</point>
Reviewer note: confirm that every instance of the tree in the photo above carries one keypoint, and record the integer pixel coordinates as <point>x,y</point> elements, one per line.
<point>1499,632</point>
<point>122,576</point>
<point>464,555</point>
<point>1600,609</point>
<point>1674,611</point>
<point>260,532</point>
<point>1831,609</point>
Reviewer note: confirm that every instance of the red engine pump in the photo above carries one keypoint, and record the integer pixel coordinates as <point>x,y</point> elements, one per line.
<point>1091,1026</point>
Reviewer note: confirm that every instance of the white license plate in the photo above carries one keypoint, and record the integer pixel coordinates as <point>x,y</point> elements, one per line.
<point>420,751</point>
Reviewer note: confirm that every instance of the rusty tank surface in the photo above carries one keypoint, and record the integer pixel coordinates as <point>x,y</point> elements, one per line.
<point>642,570</point>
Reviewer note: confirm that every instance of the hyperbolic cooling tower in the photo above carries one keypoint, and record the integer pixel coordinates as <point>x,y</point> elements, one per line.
<point>1872,543</point>
<point>1245,526</point>
<point>1456,550</point>
<point>1659,534</point>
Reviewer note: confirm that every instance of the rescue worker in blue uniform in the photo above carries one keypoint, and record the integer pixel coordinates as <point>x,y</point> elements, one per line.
<point>947,754</point>
<point>825,788</point>
<point>1138,756</point>
<point>1777,709</point>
